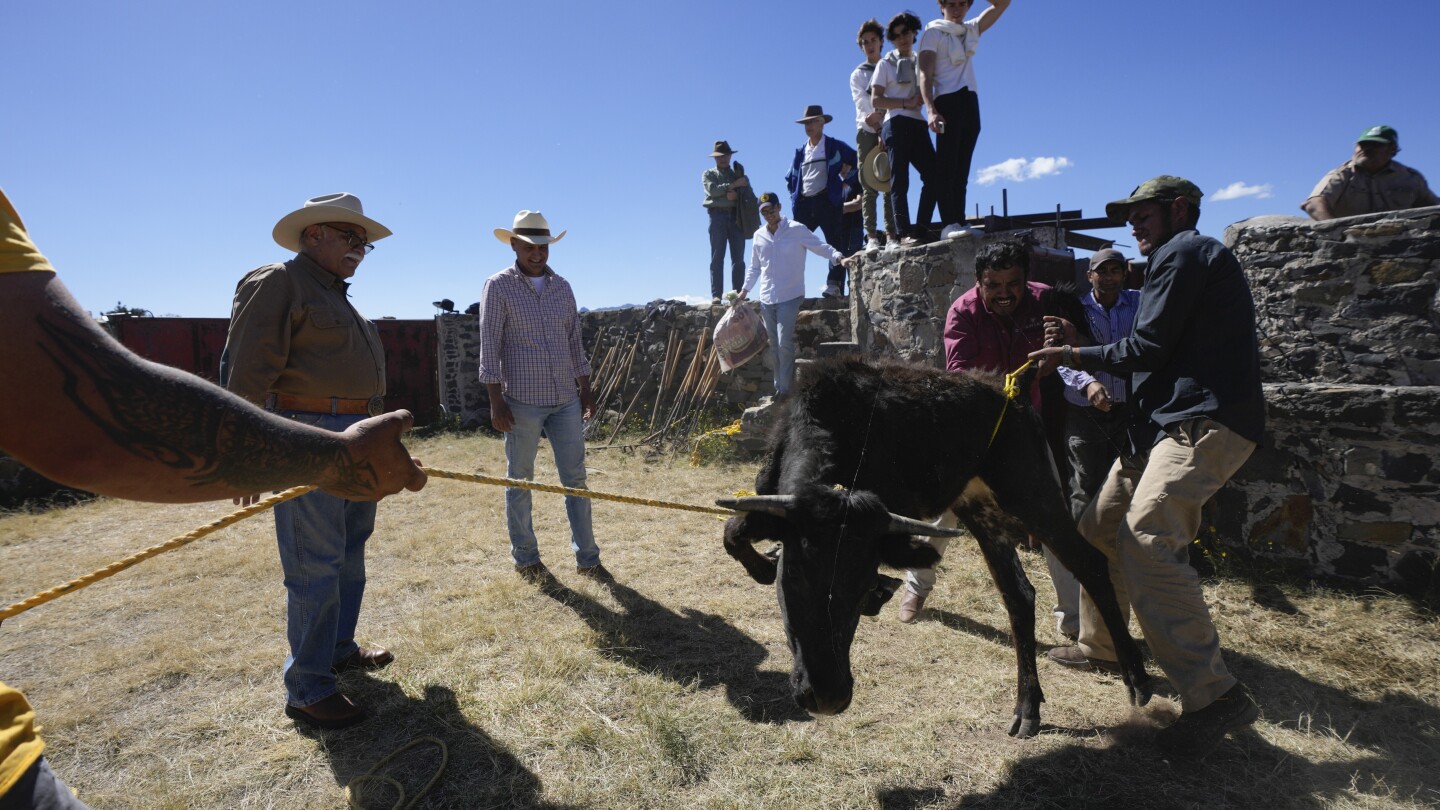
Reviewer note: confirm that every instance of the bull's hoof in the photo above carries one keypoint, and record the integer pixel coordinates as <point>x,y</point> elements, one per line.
<point>1141,690</point>
<point>1024,727</point>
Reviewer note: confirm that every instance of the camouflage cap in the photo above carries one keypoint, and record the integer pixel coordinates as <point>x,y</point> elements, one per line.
<point>1380,134</point>
<point>1164,187</point>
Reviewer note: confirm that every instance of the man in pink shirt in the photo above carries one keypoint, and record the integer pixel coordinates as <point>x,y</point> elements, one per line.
<point>993,326</point>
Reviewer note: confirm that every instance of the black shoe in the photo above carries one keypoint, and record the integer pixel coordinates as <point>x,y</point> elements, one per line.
<point>535,572</point>
<point>1197,733</point>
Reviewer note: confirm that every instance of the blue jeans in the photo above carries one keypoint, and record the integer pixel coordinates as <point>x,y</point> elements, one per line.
<point>565,428</point>
<point>322,552</point>
<point>780,327</point>
<point>40,789</point>
<point>725,231</point>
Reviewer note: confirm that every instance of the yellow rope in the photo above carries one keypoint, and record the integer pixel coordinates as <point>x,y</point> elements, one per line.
<point>239,515</point>
<point>400,803</point>
<point>120,565</point>
<point>516,483</point>
<point>1012,390</point>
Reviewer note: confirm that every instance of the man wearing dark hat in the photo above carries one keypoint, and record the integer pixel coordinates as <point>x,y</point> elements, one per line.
<point>538,378</point>
<point>816,184</point>
<point>1195,370</point>
<point>721,200</point>
<point>299,348</point>
<point>1369,182</point>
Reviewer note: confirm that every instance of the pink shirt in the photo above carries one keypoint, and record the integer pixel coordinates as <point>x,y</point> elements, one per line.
<point>976,339</point>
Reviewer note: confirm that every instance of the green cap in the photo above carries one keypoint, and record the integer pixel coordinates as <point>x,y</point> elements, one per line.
<point>1164,187</point>
<point>1380,134</point>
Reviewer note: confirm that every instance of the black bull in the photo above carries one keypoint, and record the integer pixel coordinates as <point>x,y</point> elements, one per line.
<point>859,445</point>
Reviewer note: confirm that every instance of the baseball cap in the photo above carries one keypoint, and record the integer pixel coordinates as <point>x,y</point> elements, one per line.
<point>1164,187</point>
<point>1100,257</point>
<point>1380,134</point>
<point>769,198</point>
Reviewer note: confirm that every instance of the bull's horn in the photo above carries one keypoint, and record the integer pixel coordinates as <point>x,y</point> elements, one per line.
<point>905,525</point>
<point>778,505</point>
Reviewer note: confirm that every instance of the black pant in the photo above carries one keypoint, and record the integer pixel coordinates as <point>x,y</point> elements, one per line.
<point>907,140</point>
<point>819,212</point>
<point>953,150</point>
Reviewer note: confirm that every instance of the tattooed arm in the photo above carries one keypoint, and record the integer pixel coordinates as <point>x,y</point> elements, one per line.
<point>79,408</point>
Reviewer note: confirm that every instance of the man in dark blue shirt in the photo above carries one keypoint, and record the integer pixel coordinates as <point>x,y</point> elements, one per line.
<point>1195,370</point>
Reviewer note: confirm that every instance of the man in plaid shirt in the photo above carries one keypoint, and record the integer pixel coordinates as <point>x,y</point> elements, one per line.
<point>538,378</point>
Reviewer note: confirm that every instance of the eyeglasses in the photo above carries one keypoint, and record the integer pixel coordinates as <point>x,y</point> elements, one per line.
<point>354,239</point>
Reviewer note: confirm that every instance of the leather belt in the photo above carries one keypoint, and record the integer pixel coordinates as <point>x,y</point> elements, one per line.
<point>374,406</point>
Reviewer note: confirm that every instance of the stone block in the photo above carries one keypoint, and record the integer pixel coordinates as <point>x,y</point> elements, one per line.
<point>1396,271</point>
<point>1382,533</point>
<point>1286,528</point>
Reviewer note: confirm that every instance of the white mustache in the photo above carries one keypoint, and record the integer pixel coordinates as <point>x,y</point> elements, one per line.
<point>355,254</point>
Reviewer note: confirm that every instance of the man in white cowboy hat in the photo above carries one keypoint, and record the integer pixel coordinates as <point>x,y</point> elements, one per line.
<point>299,348</point>
<point>535,370</point>
<point>816,184</point>
<point>722,197</point>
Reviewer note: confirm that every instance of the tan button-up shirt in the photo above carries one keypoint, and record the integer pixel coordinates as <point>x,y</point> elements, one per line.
<point>1351,192</point>
<point>294,331</point>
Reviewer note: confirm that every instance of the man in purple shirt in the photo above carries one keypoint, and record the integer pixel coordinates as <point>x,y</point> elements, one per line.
<point>538,378</point>
<point>993,326</point>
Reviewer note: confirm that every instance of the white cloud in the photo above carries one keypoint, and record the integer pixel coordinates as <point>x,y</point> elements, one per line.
<point>1018,170</point>
<point>1238,189</point>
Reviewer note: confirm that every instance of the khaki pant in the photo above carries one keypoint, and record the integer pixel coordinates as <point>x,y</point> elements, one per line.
<point>1144,518</point>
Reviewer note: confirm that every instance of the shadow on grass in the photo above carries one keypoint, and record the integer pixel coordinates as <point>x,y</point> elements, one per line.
<point>1395,734</point>
<point>686,647</point>
<point>480,772</point>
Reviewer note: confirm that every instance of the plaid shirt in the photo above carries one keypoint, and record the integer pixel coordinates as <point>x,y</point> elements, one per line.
<point>529,341</point>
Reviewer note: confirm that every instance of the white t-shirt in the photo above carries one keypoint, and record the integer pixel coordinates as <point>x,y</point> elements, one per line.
<point>812,169</point>
<point>860,94</point>
<point>950,77</point>
<point>888,77</point>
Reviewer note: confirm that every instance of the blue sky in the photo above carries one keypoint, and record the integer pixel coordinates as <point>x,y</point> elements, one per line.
<point>151,146</point>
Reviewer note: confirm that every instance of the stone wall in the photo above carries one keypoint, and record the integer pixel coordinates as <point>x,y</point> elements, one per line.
<point>819,321</point>
<point>898,300</point>
<point>1350,300</point>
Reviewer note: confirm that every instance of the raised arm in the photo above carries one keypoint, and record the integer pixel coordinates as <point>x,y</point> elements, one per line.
<point>991,14</point>
<point>81,409</point>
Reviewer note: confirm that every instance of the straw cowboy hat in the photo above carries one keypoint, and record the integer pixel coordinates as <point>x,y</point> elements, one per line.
<point>530,226</point>
<point>326,208</point>
<point>875,169</point>
<point>814,111</point>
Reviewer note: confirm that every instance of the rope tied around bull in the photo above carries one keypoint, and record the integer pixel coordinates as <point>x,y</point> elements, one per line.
<point>1012,390</point>
<point>235,517</point>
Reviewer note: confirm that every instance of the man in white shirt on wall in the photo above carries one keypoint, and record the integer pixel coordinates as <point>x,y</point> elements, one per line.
<point>867,132</point>
<point>777,265</point>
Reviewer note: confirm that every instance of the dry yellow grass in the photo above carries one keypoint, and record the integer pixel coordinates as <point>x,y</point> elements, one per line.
<point>160,688</point>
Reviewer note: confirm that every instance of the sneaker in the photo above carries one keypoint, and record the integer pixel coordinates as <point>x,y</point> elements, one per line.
<point>872,246</point>
<point>1072,657</point>
<point>892,246</point>
<point>832,291</point>
<point>955,231</point>
<point>596,572</point>
<point>910,606</point>
<point>909,241</point>
<point>1197,733</point>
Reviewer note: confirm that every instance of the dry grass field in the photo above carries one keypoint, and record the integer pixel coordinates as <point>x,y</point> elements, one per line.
<point>160,688</point>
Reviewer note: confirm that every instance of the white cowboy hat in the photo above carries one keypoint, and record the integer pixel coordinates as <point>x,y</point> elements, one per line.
<point>326,208</point>
<point>875,169</point>
<point>530,226</point>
